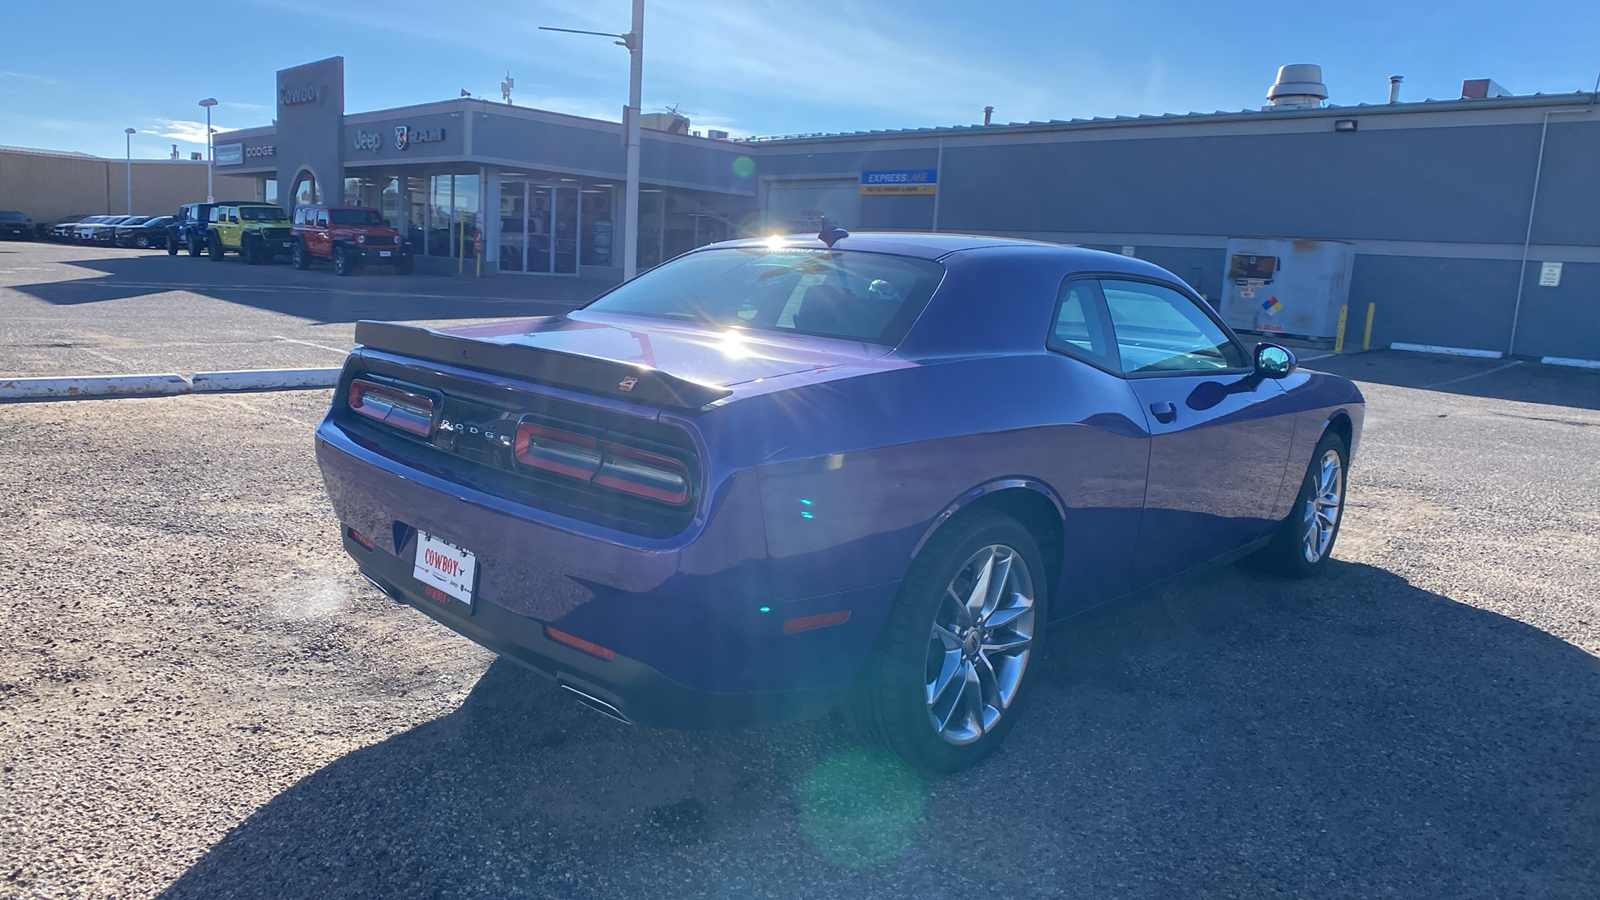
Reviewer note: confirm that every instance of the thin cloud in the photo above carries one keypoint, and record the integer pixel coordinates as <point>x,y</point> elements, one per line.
<point>28,77</point>
<point>183,130</point>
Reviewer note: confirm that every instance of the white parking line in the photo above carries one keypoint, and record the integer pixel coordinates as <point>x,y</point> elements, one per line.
<point>337,350</point>
<point>1515,362</point>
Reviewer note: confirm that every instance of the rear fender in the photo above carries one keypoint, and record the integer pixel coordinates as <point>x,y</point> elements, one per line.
<point>983,490</point>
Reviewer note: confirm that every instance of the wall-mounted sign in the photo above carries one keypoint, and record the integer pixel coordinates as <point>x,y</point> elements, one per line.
<point>1550,274</point>
<point>369,141</point>
<point>900,182</point>
<point>405,136</point>
<point>291,96</point>
<point>228,154</point>
<point>261,152</point>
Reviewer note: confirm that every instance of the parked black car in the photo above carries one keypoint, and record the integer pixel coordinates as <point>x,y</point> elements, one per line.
<point>15,226</point>
<point>152,232</point>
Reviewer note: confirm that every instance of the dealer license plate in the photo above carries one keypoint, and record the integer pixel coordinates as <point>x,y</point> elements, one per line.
<point>445,566</point>
<point>383,252</point>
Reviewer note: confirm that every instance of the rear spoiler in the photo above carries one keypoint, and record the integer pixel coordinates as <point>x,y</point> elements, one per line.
<point>592,374</point>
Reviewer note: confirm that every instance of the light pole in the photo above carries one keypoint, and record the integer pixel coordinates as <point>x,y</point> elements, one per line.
<point>210,164</point>
<point>128,140</point>
<point>634,41</point>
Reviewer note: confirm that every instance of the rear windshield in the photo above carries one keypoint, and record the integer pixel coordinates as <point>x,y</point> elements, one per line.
<point>12,217</point>
<point>355,217</point>
<point>872,297</point>
<point>261,214</point>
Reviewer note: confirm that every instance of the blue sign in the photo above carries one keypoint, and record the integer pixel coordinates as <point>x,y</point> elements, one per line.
<point>900,181</point>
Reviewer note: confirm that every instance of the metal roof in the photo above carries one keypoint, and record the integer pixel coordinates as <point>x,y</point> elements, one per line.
<point>1251,115</point>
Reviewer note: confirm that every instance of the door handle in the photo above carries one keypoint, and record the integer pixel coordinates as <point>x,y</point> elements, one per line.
<point>1164,411</point>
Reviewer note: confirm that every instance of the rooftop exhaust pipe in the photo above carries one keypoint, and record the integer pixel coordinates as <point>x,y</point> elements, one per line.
<point>988,113</point>
<point>1298,87</point>
<point>1394,87</point>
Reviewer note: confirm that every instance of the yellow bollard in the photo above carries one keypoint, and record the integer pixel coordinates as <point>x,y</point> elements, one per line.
<point>1366,336</point>
<point>1338,339</point>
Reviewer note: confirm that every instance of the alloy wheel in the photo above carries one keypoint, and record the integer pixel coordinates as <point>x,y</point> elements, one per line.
<point>1323,507</point>
<point>979,646</point>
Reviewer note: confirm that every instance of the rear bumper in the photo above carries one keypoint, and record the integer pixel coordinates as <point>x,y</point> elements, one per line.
<point>699,641</point>
<point>638,692</point>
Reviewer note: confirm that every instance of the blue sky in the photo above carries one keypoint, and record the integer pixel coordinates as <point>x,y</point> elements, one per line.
<point>73,75</point>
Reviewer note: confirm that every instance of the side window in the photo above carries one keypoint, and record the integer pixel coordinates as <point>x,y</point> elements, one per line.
<point>216,213</point>
<point>1161,330</point>
<point>299,217</point>
<point>1080,327</point>
<point>322,218</point>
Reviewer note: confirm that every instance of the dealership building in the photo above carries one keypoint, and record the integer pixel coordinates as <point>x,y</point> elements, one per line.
<point>1471,223</point>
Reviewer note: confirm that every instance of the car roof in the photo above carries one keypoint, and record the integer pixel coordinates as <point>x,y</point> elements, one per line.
<point>336,206</point>
<point>926,246</point>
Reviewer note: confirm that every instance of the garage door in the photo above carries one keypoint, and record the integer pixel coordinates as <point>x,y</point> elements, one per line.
<point>799,206</point>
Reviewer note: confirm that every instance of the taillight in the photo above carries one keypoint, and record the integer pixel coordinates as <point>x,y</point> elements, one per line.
<point>554,450</point>
<point>643,474</point>
<point>603,463</point>
<point>392,406</point>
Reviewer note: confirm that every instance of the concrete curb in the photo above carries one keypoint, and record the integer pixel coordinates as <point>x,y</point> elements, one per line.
<point>264,380</point>
<point>102,387</point>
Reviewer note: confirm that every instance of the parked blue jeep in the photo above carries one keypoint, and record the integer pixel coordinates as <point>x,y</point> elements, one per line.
<point>188,232</point>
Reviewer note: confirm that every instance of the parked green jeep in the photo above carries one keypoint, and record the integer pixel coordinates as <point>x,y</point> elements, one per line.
<point>258,232</point>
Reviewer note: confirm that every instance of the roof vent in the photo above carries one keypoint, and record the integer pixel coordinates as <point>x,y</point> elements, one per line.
<point>1298,87</point>
<point>1482,89</point>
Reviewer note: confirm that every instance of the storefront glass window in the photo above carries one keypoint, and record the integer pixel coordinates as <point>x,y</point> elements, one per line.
<point>466,214</point>
<point>513,236</point>
<point>598,228</point>
<point>389,201</point>
<point>269,191</point>
<point>416,214</point>
<point>441,226</point>
<point>652,209</point>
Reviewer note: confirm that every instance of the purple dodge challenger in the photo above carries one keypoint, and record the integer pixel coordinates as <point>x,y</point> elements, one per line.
<point>773,476</point>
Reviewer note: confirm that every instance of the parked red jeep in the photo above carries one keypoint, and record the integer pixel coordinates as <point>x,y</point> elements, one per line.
<point>349,236</point>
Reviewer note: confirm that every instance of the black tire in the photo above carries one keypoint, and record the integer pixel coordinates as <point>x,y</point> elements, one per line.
<point>889,702</point>
<point>214,246</point>
<point>402,266</point>
<point>142,241</point>
<point>342,264</point>
<point>248,251</point>
<point>300,257</point>
<point>195,247</point>
<point>1288,553</point>
<point>172,246</point>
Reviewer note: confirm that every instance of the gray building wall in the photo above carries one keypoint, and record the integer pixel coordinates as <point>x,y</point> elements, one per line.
<point>1435,196</point>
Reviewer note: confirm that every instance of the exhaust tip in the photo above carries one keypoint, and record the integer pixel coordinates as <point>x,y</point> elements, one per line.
<point>596,704</point>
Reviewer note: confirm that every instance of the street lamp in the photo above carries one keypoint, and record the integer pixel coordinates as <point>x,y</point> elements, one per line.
<point>634,41</point>
<point>128,139</point>
<point>210,164</point>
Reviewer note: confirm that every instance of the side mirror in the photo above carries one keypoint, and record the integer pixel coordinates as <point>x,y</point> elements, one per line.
<point>1273,361</point>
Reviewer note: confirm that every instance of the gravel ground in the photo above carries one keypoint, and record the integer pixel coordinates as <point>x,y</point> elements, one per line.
<point>199,698</point>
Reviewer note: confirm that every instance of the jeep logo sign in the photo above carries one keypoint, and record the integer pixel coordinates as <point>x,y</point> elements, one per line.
<point>291,96</point>
<point>405,136</point>
<point>369,140</point>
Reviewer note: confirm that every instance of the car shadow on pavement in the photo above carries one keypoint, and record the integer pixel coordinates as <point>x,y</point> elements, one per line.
<point>1241,736</point>
<point>317,294</point>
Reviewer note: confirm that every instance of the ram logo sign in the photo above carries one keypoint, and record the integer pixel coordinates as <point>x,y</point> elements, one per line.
<point>405,136</point>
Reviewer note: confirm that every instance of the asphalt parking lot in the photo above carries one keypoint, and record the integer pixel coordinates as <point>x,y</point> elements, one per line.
<point>200,698</point>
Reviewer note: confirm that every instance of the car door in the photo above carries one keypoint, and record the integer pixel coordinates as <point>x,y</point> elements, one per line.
<point>1102,464</point>
<point>1220,434</point>
<point>321,235</point>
